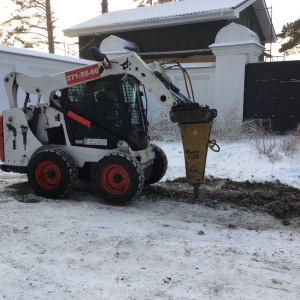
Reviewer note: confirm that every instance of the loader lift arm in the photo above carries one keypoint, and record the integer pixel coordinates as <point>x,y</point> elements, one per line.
<point>152,76</point>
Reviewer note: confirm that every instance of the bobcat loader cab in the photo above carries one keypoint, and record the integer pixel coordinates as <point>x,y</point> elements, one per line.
<point>90,123</point>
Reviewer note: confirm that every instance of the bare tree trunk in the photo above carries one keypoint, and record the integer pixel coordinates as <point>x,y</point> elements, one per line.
<point>104,5</point>
<point>49,27</point>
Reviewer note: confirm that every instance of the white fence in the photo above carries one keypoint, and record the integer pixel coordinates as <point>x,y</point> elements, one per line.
<point>220,85</point>
<point>31,63</point>
<point>202,77</point>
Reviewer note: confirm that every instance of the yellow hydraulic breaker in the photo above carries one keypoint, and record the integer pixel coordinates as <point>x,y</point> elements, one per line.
<point>195,139</point>
<point>195,128</point>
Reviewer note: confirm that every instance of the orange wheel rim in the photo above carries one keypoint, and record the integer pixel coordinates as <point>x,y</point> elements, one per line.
<point>115,179</point>
<point>48,175</point>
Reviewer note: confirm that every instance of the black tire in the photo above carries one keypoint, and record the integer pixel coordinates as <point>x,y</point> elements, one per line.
<point>118,178</point>
<point>159,167</point>
<point>52,173</point>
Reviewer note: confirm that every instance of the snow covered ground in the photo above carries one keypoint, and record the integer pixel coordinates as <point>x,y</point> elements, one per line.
<point>239,161</point>
<point>78,248</point>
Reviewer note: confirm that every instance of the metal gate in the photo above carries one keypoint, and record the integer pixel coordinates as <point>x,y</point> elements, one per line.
<point>272,92</point>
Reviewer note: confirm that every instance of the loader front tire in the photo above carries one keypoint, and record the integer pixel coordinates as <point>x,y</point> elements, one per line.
<point>160,165</point>
<point>118,178</point>
<point>52,173</point>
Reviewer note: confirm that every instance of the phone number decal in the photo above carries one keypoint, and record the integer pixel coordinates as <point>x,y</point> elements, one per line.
<point>82,74</point>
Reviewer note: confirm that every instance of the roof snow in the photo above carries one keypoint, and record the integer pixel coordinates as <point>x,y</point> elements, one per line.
<point>159,12</point>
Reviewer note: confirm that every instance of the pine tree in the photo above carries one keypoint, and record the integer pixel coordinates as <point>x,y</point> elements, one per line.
<point>151,2</point>
<point>290,38</point>
<point>30,25</point>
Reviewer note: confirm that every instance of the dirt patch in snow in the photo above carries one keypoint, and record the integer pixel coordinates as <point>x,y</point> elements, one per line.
<point>279,200</point>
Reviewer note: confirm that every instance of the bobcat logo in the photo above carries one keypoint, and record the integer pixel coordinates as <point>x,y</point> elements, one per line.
<point>126,64</point>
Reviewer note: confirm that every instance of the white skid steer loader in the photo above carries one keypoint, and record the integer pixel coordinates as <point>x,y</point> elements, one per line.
<point>90,123</point>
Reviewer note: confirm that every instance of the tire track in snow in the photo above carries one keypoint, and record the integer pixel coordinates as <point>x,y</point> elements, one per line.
<point>8,295</point>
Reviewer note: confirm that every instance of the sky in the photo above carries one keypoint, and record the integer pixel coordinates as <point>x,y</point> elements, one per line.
<point>69,14</point>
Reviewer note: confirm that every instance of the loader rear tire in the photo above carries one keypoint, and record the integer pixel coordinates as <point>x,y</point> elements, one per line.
<point>159,167</point>
<point>52,173</point>
<point>118,178</point>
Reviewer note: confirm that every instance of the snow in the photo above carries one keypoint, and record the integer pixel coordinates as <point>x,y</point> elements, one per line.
<point>79,248</point>
<point>238,161</point>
